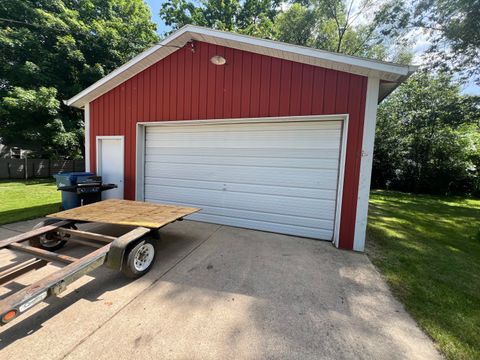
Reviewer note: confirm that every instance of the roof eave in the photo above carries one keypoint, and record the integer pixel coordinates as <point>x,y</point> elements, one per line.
<point>386,88</point>
<point>385,71</point>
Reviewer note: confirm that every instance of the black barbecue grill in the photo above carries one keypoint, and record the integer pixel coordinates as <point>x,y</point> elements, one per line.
<point>89,190</point>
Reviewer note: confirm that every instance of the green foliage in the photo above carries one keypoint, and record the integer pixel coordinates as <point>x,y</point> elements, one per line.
<point>325,24</point>
<point>428,138</point>
<point>30,118</point>
<point>296,25</point>
<point>334,25</point>
<point>453,27</point>
<point>252,17</point>
<point>52,49</point>
<point>428,249</point>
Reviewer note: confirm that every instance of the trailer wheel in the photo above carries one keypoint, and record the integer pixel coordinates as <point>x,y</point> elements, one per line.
<point>140,258</point>
<point>51,241</point>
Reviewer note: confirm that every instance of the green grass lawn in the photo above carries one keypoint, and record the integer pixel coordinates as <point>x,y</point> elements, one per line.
<point>23,200</point>
<point>428,249</point>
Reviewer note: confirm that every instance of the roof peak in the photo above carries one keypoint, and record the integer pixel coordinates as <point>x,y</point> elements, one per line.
<point>387,71</point>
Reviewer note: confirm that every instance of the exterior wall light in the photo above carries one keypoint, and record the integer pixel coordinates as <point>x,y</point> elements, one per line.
<point>218,60</point>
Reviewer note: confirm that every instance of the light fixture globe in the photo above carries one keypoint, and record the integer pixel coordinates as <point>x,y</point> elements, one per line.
<point>218,60</point>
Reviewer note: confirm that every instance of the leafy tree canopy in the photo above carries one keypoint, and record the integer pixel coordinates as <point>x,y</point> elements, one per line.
<point>51,50</point>
<point>252,17</point>
<point>332,25</point>
<point>453,27</point>
<point>428,138</point>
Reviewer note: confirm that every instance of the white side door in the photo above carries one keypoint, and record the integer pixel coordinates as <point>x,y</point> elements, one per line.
<point>110,164</point>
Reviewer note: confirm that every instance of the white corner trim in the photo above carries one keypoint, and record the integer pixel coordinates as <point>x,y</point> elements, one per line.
<point>340,182</point>
<point>366,163</point>
<point>86,114</point>
<point>140,163</point>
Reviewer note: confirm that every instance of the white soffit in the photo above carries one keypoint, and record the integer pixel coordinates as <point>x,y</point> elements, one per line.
<point>388,72</point>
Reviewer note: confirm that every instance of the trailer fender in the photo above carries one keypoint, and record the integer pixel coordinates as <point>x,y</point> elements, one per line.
<point>118,247</point>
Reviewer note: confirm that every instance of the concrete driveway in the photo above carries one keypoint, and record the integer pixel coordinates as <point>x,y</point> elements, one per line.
<point>219,292</point>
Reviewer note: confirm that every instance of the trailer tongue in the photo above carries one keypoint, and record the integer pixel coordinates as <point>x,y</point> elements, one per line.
<point>132,253</point>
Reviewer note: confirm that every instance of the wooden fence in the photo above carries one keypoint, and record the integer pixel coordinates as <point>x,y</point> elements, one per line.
<point>37,168</point>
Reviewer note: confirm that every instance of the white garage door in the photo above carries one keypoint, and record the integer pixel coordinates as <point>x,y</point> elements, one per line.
<point>279,176</point>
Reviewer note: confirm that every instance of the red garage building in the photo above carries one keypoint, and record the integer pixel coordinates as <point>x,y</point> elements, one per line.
<point>257,133</point>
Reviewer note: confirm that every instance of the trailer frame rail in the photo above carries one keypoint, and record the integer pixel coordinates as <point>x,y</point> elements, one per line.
<point>147,219</point>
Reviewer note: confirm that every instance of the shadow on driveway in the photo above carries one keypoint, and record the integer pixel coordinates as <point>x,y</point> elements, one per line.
<point>224,292</point>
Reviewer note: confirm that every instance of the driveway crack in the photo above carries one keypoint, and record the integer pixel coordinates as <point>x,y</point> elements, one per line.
<point>6,228</point>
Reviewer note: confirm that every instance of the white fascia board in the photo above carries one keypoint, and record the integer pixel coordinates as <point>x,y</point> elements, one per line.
<point>124,67</point>
<point>86,114</point>
<point>366,161</point>
<point>301,50</point>
<point>140,62</point>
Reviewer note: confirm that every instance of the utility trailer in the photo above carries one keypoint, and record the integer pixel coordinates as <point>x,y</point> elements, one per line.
<point>132,253</point>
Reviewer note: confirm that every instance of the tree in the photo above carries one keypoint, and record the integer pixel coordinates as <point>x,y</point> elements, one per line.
<point>52,49</point>
<point>252,17</point>
<point>332,25</point>
<point>371,29</point>
<point>428,138</point>
<point>34,123</point>
<point>296,25</point>
<point>453,28</point>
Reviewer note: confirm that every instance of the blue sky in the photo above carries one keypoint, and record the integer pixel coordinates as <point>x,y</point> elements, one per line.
<point>155,8</point>
<point>469,88</point>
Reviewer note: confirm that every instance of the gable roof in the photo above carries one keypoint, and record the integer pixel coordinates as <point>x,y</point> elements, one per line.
<point>391,75</point>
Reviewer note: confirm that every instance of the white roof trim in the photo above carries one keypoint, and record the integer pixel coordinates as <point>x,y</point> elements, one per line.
<point>383,70</point>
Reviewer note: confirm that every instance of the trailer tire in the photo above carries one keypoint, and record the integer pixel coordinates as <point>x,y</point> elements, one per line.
<point>140,258</point>
<point>45,242</point>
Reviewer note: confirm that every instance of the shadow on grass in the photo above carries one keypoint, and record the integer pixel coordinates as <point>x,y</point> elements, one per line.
<point>15,215</point>
<point>428,249</point>
<point>46,181</point>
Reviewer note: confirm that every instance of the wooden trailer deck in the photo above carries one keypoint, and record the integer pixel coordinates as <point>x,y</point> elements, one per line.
<point>127,212</point>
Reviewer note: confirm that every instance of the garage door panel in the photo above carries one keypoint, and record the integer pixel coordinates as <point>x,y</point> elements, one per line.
<point>291,137</point>
<point>323,179</point>
<point>254,135</point>
<point>247,201</point>
<point>306,153</point>
<point>316,233</point>
<point>245,143</point>
<point>158,185</point>
<point>278,177</point>
<point>252,127</point>
<point>311,163</point>
<point>259,224</point>
<point>213,211</point>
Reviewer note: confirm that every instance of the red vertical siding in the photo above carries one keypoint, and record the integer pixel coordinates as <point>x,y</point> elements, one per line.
<point>228,84</point>
<point>285,88</point>
<point>307,88</point>
<point>356,111</point>
<point>275,75</point>
<point>186,86</point>
<point>265,85</point>
<point>296,89</point>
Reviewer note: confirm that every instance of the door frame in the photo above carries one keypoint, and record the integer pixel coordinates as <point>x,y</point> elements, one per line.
<point>122,154</point>
<point>140,150</point>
